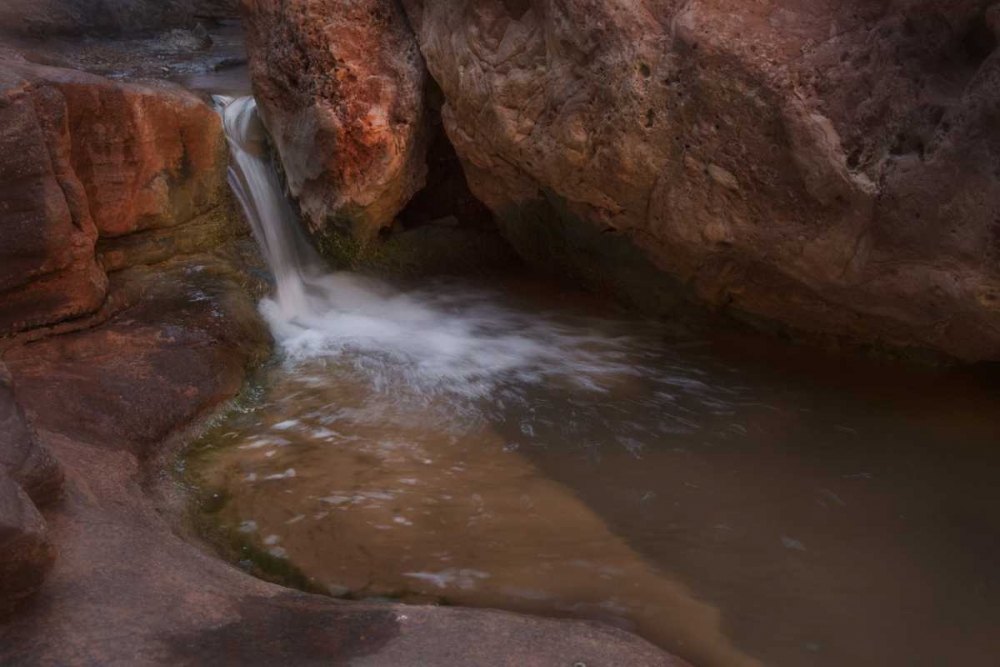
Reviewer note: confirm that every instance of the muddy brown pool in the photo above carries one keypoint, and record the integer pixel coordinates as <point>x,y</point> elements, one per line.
<point>517,447</point>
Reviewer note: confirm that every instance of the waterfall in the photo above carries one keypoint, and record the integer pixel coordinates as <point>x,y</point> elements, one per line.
<point>254,180</point>
<point>439,337</point>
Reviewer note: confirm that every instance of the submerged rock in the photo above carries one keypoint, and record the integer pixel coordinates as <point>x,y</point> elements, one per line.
<point>340,87</point>
<point>819,168</point>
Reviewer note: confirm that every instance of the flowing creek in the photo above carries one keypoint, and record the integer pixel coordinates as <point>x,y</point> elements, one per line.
<point>517,446</point>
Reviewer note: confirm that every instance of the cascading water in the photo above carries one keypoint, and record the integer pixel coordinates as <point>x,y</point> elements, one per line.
<point>440,338</point>
<point>255,183</point>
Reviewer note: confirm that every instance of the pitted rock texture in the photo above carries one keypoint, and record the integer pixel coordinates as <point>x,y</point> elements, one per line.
<point>83,158</point>
<point>831,169</point>
<point>340,87</point>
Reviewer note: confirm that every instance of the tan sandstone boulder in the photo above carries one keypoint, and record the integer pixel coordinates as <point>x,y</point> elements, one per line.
<point>340,87</point>
<point>825,168</point>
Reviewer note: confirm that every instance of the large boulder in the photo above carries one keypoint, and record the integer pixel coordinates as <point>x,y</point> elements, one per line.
<point>340,87</point>
<point>822,168</point>
<point>84,158</point>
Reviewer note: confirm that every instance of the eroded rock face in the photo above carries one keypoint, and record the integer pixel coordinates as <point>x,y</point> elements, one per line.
<point>340,87</point>
<point>829,168</point>
<point>83,158</point>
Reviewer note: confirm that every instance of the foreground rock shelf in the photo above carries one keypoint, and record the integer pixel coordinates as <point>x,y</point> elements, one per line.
<point>128,589</point>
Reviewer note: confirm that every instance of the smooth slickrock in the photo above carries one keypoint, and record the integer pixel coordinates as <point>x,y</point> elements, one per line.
<point>829,169</point>
<point>24,460</point>
<point>183,347</point>
<point>340,87</point>
<point>85,158</point>
<point>29,476</point>
<point>26,550</point>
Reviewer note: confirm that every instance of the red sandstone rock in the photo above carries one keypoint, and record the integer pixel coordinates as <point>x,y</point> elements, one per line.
<point>828,166</point>
<point>149,155</point>
<point>340,88</point>
<point>47,266</point>
<point>80,157</point>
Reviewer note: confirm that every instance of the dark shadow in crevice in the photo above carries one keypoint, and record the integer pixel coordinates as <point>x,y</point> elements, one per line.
<point>446,199</point>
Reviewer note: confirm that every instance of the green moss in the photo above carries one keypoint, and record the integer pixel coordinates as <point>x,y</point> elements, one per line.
<point>237,548</point>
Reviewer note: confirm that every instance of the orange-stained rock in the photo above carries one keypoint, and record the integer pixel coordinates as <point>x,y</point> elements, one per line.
<point>47,266</point>
<point>827,168</point>
<point>340,87</point>
<point>83,157</point>
<point>149,155</point>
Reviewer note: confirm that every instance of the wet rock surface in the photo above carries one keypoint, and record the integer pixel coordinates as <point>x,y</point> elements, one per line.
<point>340,87</point>
<point>128,588</point>
<point>813,169</point>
